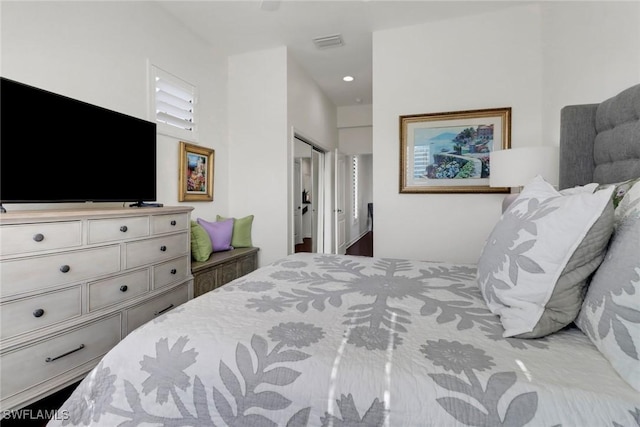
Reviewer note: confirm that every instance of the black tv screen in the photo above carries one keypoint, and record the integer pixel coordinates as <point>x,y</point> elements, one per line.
<point>57,149</point>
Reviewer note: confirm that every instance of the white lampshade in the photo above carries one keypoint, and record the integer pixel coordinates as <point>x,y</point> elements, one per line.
<point>516,167</point>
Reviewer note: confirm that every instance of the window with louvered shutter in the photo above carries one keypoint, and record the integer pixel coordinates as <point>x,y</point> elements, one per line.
<point>175,104</point>
<point>354,189</point>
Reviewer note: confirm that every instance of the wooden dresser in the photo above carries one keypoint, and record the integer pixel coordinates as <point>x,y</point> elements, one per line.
<point>73,283</point>
<point>223,267</point>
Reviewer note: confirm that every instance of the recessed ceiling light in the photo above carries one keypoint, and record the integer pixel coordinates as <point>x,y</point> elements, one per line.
<point>347,78</point>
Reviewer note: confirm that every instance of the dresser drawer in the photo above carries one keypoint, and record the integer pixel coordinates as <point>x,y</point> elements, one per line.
<point>167,223</point>
<point>108,230</point>
<point>18,239</point>
<point>141,314</point>
<point>29,314</point>
<point>117,289</point>
<point>171,272</point>
<point>156,250</point>
<point>25,275</point>
<point>35,364</point>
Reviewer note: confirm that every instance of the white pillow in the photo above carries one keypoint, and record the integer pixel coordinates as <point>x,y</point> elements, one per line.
<point>589,188</point>
<point>534,266</point>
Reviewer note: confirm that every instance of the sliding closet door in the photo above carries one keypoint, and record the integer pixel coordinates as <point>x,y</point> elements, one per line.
<point>308,198</point>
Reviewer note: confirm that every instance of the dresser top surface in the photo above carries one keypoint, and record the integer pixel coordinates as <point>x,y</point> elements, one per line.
<point>71,214</point>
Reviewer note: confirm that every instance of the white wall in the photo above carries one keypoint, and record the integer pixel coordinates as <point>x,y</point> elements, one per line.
<point>311,113</point>
<point>486,61</point>
<point>499,59</point>
<point>270,96</point>
<point>258,147</point>
<point>591,51</point>
<point>355,131</point>
<point>355,115</point>
<point>98,52</point>
<point>356,140</point>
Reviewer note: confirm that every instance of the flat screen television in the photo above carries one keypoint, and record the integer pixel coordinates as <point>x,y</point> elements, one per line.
<point>57,149</point>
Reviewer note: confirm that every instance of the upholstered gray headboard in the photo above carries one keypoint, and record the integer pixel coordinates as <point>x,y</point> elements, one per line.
<point>601,142</point>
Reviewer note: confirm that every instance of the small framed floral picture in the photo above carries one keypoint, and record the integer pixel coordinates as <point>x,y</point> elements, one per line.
<point>196,173</point>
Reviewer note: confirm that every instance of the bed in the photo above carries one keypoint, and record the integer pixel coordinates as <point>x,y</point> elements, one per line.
<point>328,340</point>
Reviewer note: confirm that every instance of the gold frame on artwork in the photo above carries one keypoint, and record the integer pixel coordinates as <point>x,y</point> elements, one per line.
<point>196,173</point>
<point>451,152</point>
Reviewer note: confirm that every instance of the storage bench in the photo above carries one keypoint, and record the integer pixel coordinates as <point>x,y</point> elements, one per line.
<point>222,267</point>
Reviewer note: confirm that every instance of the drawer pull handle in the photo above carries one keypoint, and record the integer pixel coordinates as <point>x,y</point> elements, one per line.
<point>124,288</point>
<point>124,228</point>
<point>174,271</point>
<point>38,237</point>
<point>51,359</point>
<point>163,248</point>
<point>65,268</point>
<point>157,313</point>
<point>38,313</point>
<point>173,222</point>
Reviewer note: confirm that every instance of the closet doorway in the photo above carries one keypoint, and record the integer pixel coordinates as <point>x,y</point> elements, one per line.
<point>307,197</point>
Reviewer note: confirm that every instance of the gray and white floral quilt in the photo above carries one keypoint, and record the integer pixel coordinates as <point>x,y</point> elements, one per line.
<point>325,340</point>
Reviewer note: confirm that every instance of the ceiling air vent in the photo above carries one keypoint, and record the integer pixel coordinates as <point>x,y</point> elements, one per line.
<point>328,41</point>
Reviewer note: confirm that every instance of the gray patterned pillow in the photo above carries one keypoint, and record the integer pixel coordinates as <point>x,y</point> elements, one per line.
<point>610,315</point>
<point>535,264</point>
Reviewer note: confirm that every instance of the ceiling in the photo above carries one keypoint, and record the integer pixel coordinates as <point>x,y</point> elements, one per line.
<point>237,26</point>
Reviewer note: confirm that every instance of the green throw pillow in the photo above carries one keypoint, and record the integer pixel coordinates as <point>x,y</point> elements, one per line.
<point>201,247</point>
<point>621,189</point>
<point>241,231</point>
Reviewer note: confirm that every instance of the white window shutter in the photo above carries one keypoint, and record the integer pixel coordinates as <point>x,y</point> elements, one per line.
<point>354,188</point>
<point>175,105</point>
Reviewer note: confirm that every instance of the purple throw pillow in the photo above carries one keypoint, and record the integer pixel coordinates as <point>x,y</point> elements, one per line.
<point>220,233</point>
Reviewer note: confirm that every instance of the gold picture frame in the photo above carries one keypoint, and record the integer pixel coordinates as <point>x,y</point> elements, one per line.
<point>196,173</point>
<point>451,152</point>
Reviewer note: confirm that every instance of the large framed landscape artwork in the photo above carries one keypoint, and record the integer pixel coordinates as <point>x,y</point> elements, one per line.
<point>451,152</point>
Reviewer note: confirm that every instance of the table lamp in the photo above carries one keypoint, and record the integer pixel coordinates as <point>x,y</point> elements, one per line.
<point>515,167</point>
